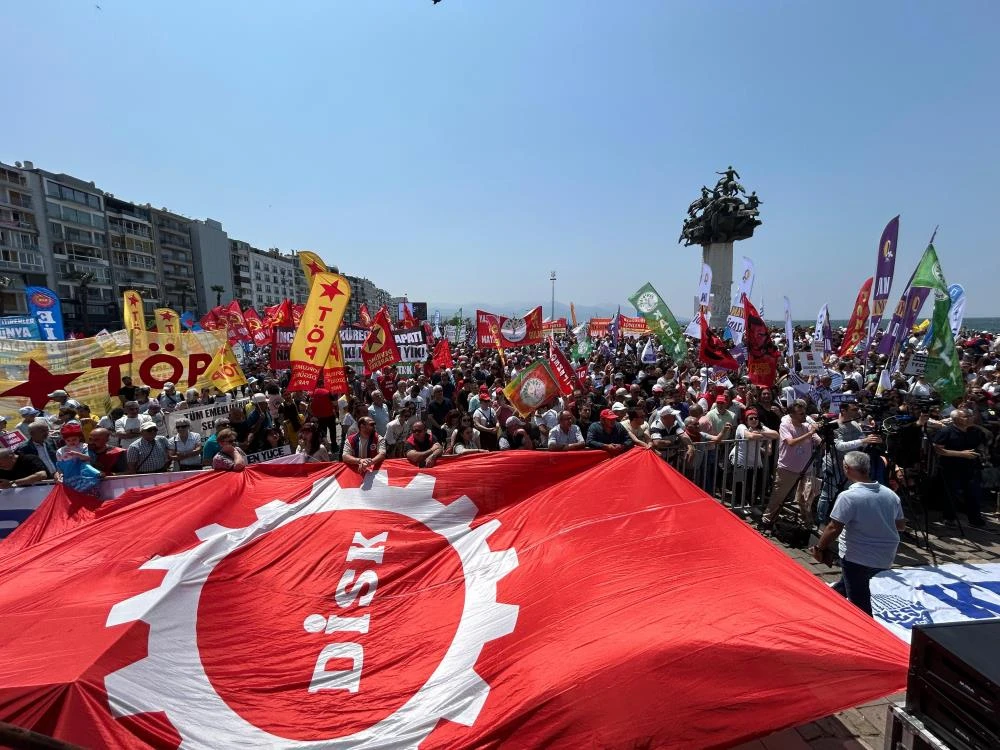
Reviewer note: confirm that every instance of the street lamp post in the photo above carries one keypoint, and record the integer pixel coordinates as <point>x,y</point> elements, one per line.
<point>83,278</point>
<point>552,310</point>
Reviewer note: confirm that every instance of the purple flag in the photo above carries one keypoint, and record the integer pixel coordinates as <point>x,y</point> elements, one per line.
<point>884,268</point>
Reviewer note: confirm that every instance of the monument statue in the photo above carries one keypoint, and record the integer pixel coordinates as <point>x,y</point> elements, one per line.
<point>720,217</point>
<point>723,214</point>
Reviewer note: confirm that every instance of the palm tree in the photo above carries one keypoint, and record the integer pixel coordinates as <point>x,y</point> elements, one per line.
<point>218,289</point>
<point>83,278</point>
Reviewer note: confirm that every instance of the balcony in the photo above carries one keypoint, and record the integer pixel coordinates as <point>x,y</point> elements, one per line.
<point>19,201</point>
<point>22,262</point>
<point>26,225</point>
<point>13,178</point>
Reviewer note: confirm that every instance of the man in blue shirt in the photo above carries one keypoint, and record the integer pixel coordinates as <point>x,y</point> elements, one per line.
<point>608,434</point>
<point>867,517</point>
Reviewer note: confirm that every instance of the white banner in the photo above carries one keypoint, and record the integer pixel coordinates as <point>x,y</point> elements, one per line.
<point>957,311</point>
<point>789,331</point>
<point>203,417</point>
<point>905,597</point>
<point>269,455</point>
<point>703,303</point>
<point>822,321</point>
<point>812,363</point>
<point>743,286</point>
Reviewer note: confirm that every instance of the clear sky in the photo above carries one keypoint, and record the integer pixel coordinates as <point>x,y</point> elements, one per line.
<point>461,151</point>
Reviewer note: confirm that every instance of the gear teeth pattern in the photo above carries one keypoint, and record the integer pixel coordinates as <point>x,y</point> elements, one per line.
<point>474,694</point>
<point>131,681</point>
<point>172,680</point>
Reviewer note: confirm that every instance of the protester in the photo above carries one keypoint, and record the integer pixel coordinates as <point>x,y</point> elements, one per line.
<point>106,458</point>
<point>20,469</point>
<point>466,441</point>
<point>365,450</point>
<point>311,444</point>
<point>848,436</point>
<point>515,435</point>
<point>28,415</point>
<point>128,429</point>
<point>485,421</point>
<point>867,517</point>
<point>230,457</point>
<point>637,427</point>
<point>422,449</point>
<point>753,441</point>
<point>211,445</point>
<point>169,399</point>
<point>185,447</point>
<point>957,447</point>
<point>566,436</point>
<point>398,430</point>
<point>40,444</point>
<point>669,439</point>
<point>149,454</point>
<point>258,421</point>
<point>608,434</point>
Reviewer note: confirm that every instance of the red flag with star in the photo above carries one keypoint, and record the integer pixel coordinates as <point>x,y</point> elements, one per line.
<point>408,321</point>
<point>318,329</point>
<point>278,316</point>
<point>365,316</point>
<point>762,354</point>
<point>379,349</point>
<point>133,312</point>
<point>236,326</point>
<point>255,326</point>
<point>297,311</point>
<point>167,321</point>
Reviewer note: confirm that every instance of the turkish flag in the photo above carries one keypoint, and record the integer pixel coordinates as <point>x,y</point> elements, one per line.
<point>712,350</point>
<point>515,599</point>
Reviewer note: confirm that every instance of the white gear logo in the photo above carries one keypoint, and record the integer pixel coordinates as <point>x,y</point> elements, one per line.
<point>172,679</point>
<point>647,302</point>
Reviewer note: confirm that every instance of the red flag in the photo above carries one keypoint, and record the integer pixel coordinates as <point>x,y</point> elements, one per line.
<point>712,350</point>
<point>209,321</point>
<point>562,368</point>
<point>297,311</point>
<point>491,601</point>
<point>255,326</point>
<point>407,321</point>
<point>762,354</point>
<point>442,355</point>
<point>236,327</point>
<point>366,318</point>
<point>857,328</point>
<point>379,348</point>
<point>279,315</point>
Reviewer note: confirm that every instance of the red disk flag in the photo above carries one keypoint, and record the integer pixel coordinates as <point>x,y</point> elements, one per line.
<point>379,349</point>
<point>517,599</point>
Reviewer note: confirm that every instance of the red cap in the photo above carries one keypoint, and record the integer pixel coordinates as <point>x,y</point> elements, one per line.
<point>722,399</point>
<point>71,428</point>
<point>608,414</point>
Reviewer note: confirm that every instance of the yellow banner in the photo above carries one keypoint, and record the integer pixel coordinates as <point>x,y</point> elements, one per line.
<point>225,372</point>
<point>167,321</point>
<point>134,313</point>
<point>312,264</point>
<point>318,328</point>
<point>90,370</point>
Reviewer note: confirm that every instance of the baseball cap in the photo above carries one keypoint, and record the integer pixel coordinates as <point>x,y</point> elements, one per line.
<point>618,406</point>
<point>221,422</point>
<point>28,411</point>
<point>608,414</point>
<point>149,426</point>
<point>58,394</point>
<point>657,388</point>
<point>512,421</point>
<point>168,384</point>
<point>259,398</point>
<point>722,399</point>
<point>71,428</point>
<point>667,411</point>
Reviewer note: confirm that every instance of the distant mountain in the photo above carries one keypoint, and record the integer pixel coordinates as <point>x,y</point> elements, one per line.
<point>583,312</point>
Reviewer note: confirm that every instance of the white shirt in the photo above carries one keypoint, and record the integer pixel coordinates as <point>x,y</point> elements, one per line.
<point>193,442</point>
<point>131,423</point>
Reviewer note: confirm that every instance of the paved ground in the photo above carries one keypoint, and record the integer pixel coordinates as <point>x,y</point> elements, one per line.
<point>864,726</point>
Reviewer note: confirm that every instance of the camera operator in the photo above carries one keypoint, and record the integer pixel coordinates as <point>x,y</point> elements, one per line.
<point>797,439</point>
<point>847,436</point>
<point>961,465</point>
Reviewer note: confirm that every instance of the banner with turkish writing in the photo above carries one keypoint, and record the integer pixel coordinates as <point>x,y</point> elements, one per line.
<point>224,371</point>
<point>885,266</point>
<point>379,348</point>
<point>335,370</point>
<point>133,313</point>
<point>91,369</point>
<point>557,326</point>
<point>319,326</point>
<point>498,331</point>
<point>562,369</point>
<point>534,386</point>
<point>630,327</point>
<point>167,321</point>
<point>518,599</point>
<point>857,327</point>
<point>281,347</point>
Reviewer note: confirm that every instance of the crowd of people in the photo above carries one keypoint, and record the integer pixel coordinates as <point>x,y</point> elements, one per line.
<point>756,446</point>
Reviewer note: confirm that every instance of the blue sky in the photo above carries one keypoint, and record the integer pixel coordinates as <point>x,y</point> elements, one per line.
<point>461,151</point>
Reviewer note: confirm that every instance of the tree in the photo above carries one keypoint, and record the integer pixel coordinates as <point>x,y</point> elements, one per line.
<point>218,289</point>
<point>185,290</point>
<point>83,279</point>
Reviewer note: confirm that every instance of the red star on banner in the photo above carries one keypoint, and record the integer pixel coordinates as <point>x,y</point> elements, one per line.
<point>133,299</point>
<point>166,316</point>
<point>40,384</point>
<point>315,268</point>
<point>331,290</point>
<point>374,342</point>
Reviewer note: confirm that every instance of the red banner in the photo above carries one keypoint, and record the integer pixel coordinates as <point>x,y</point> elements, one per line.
<point>255,326</point>
<point>526,331</point>
<point>562,368</point>
<point>365,316</point>
<point>712,350</point>
<point>857,328</point>
<point>236,327</point>
<point>634,327</point>
<point>442,355</point>
<point>281,347</point>
<point>334,371</point>
<point>762,354</point>
<point>521,599</point>
<point>210,321</point>
<point>380,349</point>
<point>554,326</point>
<point>297,311</point>
<point>278,315</point>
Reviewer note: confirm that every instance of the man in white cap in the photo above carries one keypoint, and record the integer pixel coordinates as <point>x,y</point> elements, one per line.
<point>169,398</point>
<point>62,398</point>
<point>28,414</point>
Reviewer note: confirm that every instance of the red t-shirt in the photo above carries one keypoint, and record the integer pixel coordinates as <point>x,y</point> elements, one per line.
<point>321,405</point>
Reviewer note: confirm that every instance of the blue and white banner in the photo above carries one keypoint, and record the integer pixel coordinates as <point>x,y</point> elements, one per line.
<point>21,327</point>
<point>44,307</point>
<point>905,597</point>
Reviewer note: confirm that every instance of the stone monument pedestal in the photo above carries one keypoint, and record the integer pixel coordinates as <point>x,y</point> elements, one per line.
<point>719,257</point>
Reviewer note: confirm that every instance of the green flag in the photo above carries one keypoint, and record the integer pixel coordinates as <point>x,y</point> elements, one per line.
<point>660,320</point>
<point>944,370</point>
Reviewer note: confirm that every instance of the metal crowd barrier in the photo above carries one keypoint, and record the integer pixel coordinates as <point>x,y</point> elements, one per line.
<point>716,468</point>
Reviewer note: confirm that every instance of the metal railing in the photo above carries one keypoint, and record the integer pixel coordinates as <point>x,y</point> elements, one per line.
<point>739,473</point>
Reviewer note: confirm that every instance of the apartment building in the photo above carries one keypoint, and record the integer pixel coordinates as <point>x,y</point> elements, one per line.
<point>364,291</point>
<point>21,256</point>
<point>175,253</point>
<point>273,276</point>
<point>134,261</point>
